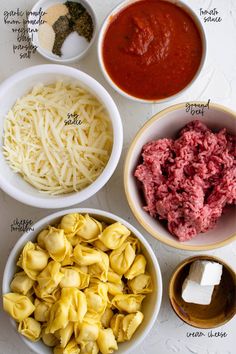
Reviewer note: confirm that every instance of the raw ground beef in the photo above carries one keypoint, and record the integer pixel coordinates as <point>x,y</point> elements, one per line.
<point>188,181</point>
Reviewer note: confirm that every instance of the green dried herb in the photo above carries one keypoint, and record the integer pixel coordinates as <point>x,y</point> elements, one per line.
<point>78,20</point>
<point>62,27</point>
<point>84,26</point>
<point>75,9</point>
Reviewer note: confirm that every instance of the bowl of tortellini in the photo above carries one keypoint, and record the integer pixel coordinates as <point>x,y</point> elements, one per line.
<point>82,281</point>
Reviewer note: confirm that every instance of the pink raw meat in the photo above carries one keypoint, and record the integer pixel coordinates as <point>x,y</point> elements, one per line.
<point>189,181</point>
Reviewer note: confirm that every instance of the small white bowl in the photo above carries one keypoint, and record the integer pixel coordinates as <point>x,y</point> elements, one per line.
<point>151,304</point>
<point>17,86</point>
<point>44,5</point>
<point>102,33</point>
<point>166,124</point>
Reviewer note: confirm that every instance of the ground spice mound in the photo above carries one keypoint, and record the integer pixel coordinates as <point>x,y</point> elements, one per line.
<point>188,181</point>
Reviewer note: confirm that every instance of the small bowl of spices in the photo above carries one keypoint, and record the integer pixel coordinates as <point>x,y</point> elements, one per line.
<point>63,30</point>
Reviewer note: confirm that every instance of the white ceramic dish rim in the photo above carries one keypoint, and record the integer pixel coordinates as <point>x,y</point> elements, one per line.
<point>157,235</point>
<point>74,197</point>
<point>102,32</point>
<point>53,57</point>
<point>45,221</point>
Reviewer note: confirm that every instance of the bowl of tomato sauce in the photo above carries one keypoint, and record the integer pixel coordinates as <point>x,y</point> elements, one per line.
<point>151,50</point>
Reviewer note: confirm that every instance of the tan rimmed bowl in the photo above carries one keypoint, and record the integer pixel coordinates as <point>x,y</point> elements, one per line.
<point>223,304</point>
<point>166,124</point>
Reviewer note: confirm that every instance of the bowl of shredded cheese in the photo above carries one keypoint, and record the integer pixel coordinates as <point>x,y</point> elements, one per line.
<point>61,136</point>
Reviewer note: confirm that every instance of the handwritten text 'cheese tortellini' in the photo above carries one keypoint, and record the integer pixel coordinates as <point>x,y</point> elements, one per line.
<point>80,287</point>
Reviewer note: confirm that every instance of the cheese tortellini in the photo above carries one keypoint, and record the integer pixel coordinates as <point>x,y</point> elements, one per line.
<point>30,328</point>
<point>18,306</point>
<point>114,235</point>
<point>57,245</point>
<point>138,267</point>
<point>21,283</point>
<point>80,287</point>
<point>97,298</point>
<point>85,256</point>
<point>124,326</point>
<point>64,334</point>
<point>74,278</point>
<point>142,284</point>
<point>122,258</point>
<point>128,302</point>
<point>106,341</point>
<point>49,278</point>
<point>33,260</point>
<point>71,348</point>
<point>42,310</point>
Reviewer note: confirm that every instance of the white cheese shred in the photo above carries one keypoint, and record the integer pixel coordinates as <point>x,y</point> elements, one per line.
<point>52,156</point>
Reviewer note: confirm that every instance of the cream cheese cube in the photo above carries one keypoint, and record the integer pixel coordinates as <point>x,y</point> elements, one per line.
<point>205,272</point>
<point>195,293</point>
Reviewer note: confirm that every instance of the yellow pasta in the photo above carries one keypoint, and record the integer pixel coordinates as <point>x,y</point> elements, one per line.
<point>88,332</point>
<point>89,348</point>
<point>49,278</point>
<point>71,222</point>
<point>128,302</point>
<point>106,341</point>
<point>130,323</point>
<point>89,229</point>
<point>50,298</point>
<point>122,258</point>
<point>41,237</point>
<point>114,235</point>
<point>21,283</point>
<point>106,317</point>
<point>74,278</point>
<point>48,338</point>
<point>142,284</point>
<point>33,260</point>
<point>114,277</point>
<point>115,289</point>
<point>71,348</point>
<point>81,286</point>
<point>18,306</point>
<point>64,334</point>
<point>137,268</point>
<point>86,256</point>
<point>57,244</point>
<point>100,270</point>
<point>42,310</point>
<point>100,246</point>
<point>97,298</point>
<point>117,327</point>
<point>30,328</point>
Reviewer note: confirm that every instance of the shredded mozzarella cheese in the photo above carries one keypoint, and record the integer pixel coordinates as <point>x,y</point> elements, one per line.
<point>54,157</point>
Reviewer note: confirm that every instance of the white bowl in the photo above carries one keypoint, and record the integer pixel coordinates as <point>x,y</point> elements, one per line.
<point>17,86</point>
<point>105,26</point>
<point>167,124</point>
<point>151,304</point>
<point>44,5</point>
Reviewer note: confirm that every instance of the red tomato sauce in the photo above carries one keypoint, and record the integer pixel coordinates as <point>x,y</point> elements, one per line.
<point>152,49</point>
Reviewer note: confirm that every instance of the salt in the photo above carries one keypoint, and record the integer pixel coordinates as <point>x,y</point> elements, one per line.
<point>73,45</point>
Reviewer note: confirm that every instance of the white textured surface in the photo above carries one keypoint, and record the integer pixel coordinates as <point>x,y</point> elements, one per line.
<point>217,82</point>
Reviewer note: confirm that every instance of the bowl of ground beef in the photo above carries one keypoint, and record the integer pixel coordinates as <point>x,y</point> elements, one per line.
<point>180,176</point>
